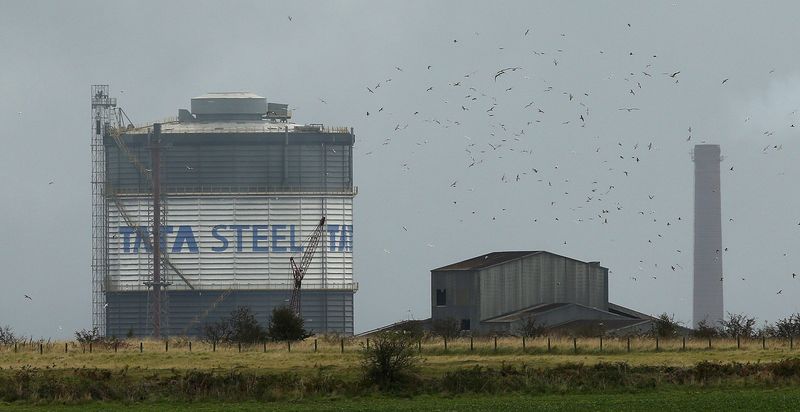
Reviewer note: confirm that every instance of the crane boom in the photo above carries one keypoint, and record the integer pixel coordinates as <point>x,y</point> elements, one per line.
<point>299,270</point>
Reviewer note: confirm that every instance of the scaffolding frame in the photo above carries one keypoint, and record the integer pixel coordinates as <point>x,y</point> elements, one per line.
<point>102,107</point>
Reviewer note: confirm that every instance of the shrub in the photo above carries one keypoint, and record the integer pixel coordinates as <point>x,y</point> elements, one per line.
<point>216,332</point>
<point>738,325</point>
<point>389,359</point>
<point>446,328</point>
<point>86,336</point>
<point>244,328</point>
<point>530,328</point>
<point>704,330</point>
<point>666,326</point>
<point>787,327</point>
<point>7,336</point>
<point>286,325</point>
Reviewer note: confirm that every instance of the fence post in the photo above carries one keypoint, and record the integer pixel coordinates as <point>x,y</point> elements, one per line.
<point>367,343</point>
<point>214,346</point>
<point>445,343</point>
<point>315,345</point>
<point>656,342</point>
<point>115,347</point>
<point>341,342</point>
<point>575,345</point>
<point>495,343</point>
<point>141,347</point>
<point>738,342</point>
<point>15,347</point>
<point>289,345</point>
<point>471,346</point>
<point>419,346</point>
<point>763,342</point>
<point>709,342</point>
<point>90,347</point>
<point>240,347</point>
<point>40,348</point>
<point>66,347</point>
<point>548,344</point>
<point>166,345</point>
<point>791,342</point>
<point>629,343</point>
<point>684,343</point>
<point>523,343</point>
<point>601,344</point>
<point>265,345</point>
<point>190,346</point>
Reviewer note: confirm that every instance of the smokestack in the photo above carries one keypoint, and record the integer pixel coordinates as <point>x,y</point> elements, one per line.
<point>708,280</point>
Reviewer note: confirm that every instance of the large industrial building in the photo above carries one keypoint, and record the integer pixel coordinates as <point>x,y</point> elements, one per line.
<point>499,291</point>
<point>708,279</point>
<point>239,188</point>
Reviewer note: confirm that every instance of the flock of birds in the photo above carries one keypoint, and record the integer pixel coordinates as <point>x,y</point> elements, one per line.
<point>510,138</point>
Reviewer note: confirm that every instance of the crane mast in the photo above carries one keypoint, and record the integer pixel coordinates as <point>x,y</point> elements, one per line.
<point>299,270</point>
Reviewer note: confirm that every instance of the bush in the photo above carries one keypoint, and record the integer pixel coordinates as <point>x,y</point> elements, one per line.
<point>87,336</point>
<point>7,336</point>
<point>530,328</point>
<point>666,326</point>
<point>244,328</point>
<point>286,325</point>
<point>446,328</point>
<point>787,327</point>
<point>738,325</point>
<point>704,330</point>
<point>216,332</point>
<point>390,359</point>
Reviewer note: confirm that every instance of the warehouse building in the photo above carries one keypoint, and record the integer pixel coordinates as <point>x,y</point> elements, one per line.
<point>240,187</point>
<point>499,291</point>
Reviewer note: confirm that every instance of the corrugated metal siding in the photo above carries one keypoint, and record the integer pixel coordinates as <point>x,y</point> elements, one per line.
<point>218,165</point>
<point>541,278</point>
<point>246,268</point>
<point>462,296</point>
<point>324,312</point>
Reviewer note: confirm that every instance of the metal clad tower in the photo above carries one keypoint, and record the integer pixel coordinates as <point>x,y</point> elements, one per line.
<point>708,279</point>
<point>242,188</point>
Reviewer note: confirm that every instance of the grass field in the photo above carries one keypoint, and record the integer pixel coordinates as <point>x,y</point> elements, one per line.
<point>326,377</point>
<point>278,358</point>
<point>786,399</point>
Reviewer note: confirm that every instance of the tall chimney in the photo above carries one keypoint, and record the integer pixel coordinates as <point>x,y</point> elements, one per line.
<point>707,305</point>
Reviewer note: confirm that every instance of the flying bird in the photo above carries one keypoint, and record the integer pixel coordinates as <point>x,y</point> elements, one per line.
<point>28,297</point>
<point>723,82</point>
<point>503,71</point>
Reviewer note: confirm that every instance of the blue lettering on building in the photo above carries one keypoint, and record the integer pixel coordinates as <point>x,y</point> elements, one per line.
<point>241,238</point>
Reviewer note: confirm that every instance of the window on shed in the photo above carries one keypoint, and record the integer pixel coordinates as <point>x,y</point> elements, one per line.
<point>441,297</point>
<point>465,324</point>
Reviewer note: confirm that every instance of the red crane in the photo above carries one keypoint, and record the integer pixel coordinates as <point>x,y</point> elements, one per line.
<point>309,249</point>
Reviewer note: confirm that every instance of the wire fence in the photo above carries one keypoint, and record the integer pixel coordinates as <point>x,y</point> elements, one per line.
<point>431,346</point>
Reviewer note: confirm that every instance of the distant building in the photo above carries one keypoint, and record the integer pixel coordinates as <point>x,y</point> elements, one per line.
<point>499,291</point>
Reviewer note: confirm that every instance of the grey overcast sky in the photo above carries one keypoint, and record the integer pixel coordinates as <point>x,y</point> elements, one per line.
<point>529,172</point>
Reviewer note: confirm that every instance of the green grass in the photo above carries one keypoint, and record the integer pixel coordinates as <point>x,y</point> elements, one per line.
<point>668,399</point>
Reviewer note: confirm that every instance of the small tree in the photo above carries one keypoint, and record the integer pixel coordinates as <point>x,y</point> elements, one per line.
<point>390,358</point>
<point>666,326</point>
<point>7,336</point>
<point>446,328</point>
<point>704,330</point>
<point>530,328</point>
<point>787,327</point>
<point>217,332</point>
<point>286,325</point>
<point>244,327</point>
<point>738,325</point>
<point>86,336</point>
